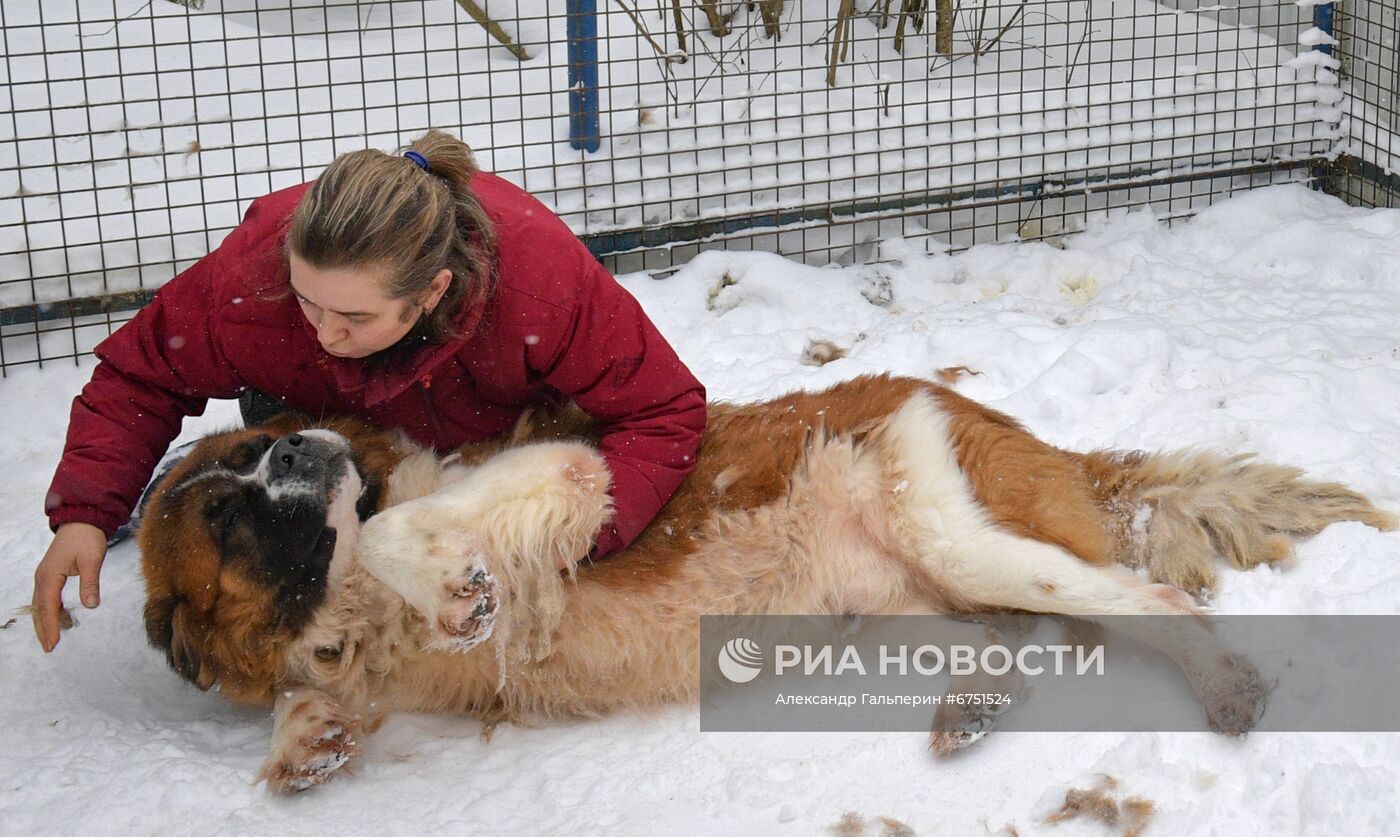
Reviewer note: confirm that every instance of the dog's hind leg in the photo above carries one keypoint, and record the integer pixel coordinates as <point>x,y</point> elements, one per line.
<point>1180,511</point>
<point>999,570</point>
<point>313,736</point>
<point>948,537</point>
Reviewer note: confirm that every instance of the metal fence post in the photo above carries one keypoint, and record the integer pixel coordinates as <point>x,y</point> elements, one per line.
<point>584,131</point>
<point>1324,16</point>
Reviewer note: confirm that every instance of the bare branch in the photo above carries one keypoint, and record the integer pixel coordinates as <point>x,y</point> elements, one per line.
<point>943,27</point>
<point>772,11</point>
<point>719,24</point>
<point>494,29</point>
<point>840,40</point>
<point>1004,29</point>
<point>680,25</point>
<point>642,28</point>
<point>117,23</point>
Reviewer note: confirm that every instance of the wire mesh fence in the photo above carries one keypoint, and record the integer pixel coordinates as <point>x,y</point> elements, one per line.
<point>1368,46</point>
<point>833,131</point>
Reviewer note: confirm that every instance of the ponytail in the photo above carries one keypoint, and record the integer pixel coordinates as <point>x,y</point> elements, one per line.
<point>370,209</point>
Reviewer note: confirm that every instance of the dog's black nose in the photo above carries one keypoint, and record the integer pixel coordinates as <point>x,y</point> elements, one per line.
<point>289,456</point>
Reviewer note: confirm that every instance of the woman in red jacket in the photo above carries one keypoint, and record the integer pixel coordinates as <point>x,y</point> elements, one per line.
<point>413,290</point>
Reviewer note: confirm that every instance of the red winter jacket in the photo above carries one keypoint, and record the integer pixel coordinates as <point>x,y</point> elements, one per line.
<point>558,326</point>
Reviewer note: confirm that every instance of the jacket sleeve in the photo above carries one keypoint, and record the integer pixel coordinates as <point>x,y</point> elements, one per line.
<point>611,360</point>
<point>161,366</point>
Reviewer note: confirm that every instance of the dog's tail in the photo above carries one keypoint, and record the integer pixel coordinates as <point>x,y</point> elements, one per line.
<point>1179,511</point>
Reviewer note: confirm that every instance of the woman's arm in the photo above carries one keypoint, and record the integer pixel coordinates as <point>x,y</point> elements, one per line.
<point>152,372</point>
<point>611,360</point>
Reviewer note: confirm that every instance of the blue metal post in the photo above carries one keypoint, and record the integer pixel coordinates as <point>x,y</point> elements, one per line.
<point>1324,15</point>
<point>584,131</point>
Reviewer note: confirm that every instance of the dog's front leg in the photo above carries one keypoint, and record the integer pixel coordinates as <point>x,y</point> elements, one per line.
<point>974,702</point>
<point>500,532</point>
<point>313,736</point>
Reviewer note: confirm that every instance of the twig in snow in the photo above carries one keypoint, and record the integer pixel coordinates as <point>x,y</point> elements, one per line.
<point>943,28</point>
<point>661,52</point>
<point>663,58</point>
<point>910,12</point>
<point>721,60</point>
<point>680,25</point>
<point>981,48</point>
<point>1074,62</point>
<point>840,40</point>
<point>120,21</point>
<point>719,24</point>
<point>494,29</point>
<point>884,18</point>
<point>772,11</point>
<point>369,15</point>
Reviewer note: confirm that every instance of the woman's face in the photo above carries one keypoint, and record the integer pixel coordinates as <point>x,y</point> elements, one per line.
<point>349,310</point>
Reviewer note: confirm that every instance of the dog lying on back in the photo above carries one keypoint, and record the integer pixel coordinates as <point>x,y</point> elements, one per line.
<point>340,573</point>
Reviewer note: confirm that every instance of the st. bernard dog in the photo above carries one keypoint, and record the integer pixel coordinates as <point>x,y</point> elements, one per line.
<point>340,573</point>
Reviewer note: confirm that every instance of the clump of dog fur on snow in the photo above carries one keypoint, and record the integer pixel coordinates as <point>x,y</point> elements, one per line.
<point>852,824</point>
<point>821,352</point>
<point>1101,802</point>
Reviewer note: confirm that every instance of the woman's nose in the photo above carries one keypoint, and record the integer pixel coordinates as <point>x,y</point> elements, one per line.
<point>327,331</point>
<point>329,341</point>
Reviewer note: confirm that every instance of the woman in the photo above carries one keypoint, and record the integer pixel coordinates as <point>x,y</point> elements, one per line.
<point>413,290</point>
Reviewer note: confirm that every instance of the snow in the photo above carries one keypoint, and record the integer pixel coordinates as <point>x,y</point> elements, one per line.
<point>1266,323</point>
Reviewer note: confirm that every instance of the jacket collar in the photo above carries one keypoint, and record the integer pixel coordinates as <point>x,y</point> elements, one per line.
<point>388,374</point>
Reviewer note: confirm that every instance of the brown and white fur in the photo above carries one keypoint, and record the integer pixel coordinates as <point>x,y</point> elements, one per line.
<point>880,495</point>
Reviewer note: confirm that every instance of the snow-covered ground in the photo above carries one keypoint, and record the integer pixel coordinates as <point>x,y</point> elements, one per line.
<point>1267,323</point>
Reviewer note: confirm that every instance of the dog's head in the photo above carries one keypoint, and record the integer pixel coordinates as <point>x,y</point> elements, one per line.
<point>237,542</point>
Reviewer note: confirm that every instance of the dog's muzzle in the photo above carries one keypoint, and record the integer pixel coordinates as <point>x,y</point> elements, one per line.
<point>314,461</point>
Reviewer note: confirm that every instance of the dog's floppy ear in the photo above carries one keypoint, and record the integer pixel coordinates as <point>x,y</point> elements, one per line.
<point>173,627</point>
<point>159,613</point>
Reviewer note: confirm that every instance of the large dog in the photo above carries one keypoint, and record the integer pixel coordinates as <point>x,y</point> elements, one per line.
<point>341,573</point>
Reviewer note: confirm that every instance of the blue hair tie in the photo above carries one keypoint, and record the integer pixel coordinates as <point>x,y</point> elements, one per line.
<point>417,158</point>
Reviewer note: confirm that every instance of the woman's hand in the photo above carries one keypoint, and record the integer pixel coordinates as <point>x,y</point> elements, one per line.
<point>77,549</point>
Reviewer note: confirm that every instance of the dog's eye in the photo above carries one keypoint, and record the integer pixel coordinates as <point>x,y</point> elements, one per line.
<point>328,653</point>
<point>248,454</point>
<point>222,511</point>
<point>216,507</point>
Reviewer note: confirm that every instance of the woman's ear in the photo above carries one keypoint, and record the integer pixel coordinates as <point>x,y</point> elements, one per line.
<point>436,288</point>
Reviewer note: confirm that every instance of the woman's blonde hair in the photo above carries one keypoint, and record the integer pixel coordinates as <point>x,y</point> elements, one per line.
<point>370,209</point>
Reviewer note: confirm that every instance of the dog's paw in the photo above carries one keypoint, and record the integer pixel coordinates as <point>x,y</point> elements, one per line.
<point>954,730</point>
<point>1234,695</point>
<point>462,553</point>
<point>958,725</point>
<point>312,743</point>
<point>545,503</point>
<point>466,613</point>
